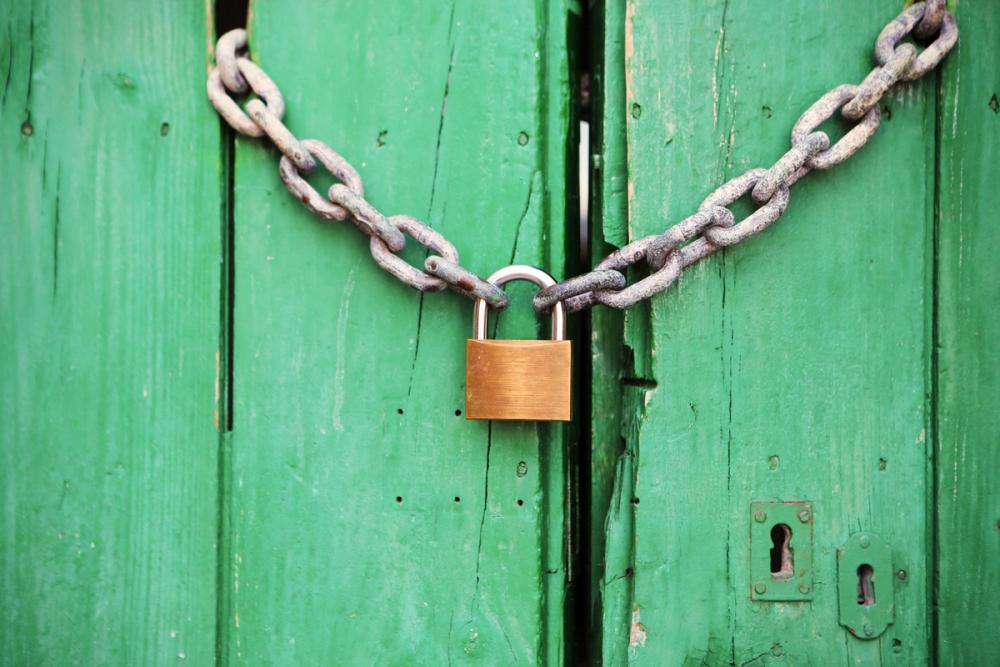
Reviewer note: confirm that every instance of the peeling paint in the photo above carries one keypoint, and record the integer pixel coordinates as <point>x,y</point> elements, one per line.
<point>637,632</point>
<point>341,351</point>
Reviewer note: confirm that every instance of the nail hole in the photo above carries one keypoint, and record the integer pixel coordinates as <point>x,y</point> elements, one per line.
<point>866,587</point>
<point>635,501</point>
<point>522,139</point>
<point>882,464</point>
<point>458,413</point>
<point>399,411</point>
<point>782,566</point>
<point>520,502</point>
<point>636,110</point>
<point>773,462</point>
<point>767,111</point>
<point>522,468</point>
<point>164,129</point>
<point>26,128</point>
<point>628,572</point>
<point>381,139</point>
<point>458,499</point>
<point>897,645</point>
<point>399,499</point>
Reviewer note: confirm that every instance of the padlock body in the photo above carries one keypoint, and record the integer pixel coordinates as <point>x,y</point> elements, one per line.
<point>518,379</point>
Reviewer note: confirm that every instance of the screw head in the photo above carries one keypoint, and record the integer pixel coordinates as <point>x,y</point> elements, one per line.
<point>804,515</point>
<point>865,541</point>
<point>760,516</point>
<point>901,575</point>
<point>868,630</point>
<point>759,588</point>
<point>804,588</point>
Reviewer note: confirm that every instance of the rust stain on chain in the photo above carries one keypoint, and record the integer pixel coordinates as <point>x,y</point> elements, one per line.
<point>666,255</point>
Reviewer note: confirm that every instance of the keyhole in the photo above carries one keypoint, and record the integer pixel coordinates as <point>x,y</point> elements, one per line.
<point>866,587</point>
<point>781,553</point>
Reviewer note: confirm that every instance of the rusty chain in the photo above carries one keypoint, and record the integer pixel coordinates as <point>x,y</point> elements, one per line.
<point>666,255</point>
<point>235,74</point>
<point>713,226</point>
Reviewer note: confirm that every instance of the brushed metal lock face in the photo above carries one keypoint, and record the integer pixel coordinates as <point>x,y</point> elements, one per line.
<point>518,379</point>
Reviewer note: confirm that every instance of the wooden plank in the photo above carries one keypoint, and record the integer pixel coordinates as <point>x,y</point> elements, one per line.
<point>968,363</point>
<point>795,366</point>
<point>608,562</point>
<point>109,317</point>
<point>369,521</point>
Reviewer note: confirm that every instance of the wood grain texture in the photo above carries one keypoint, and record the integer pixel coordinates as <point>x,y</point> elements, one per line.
<point>609,555</point>
<point>793,367</point>
<point>369,522</point>
<point>968,368</point>
<point>109,307</point>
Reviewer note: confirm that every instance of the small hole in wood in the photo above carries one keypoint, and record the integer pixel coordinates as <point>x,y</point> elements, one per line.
<point>457,499</point>
<point>458,413</point>
<point>399,499</point>
<point>399,411</point>
<point>520,502</point>
<point>164,129</point>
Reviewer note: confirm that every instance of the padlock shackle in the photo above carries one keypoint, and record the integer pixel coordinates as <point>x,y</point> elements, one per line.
<point>480,312</point>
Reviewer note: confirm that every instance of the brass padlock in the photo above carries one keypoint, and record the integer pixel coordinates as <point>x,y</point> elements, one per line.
<point>518,379</point>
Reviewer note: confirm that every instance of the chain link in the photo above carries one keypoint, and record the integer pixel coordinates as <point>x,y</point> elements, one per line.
<point>334,163</point>
<point>901,26</point>
<point>851,142</point>
<point>666,255</point>
<point>425,236</point>
<point>700,235</point>
<point>235,74</point>
<point>465,282</point>
<point>225,59</point>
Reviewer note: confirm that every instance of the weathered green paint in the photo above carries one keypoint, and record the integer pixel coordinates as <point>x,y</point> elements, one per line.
<point>609,555</point>
<point>368,520</point>
<point>968,362</point>
<point>109,321</point>
<point>795,366</point>
<point>828,360</point>
<point>346,384</point>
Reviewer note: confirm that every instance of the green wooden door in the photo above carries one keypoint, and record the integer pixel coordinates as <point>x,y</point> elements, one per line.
<point>227,437</point>
<point>109,321</point>
<point>365,518</point>
<point>842,357</point>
